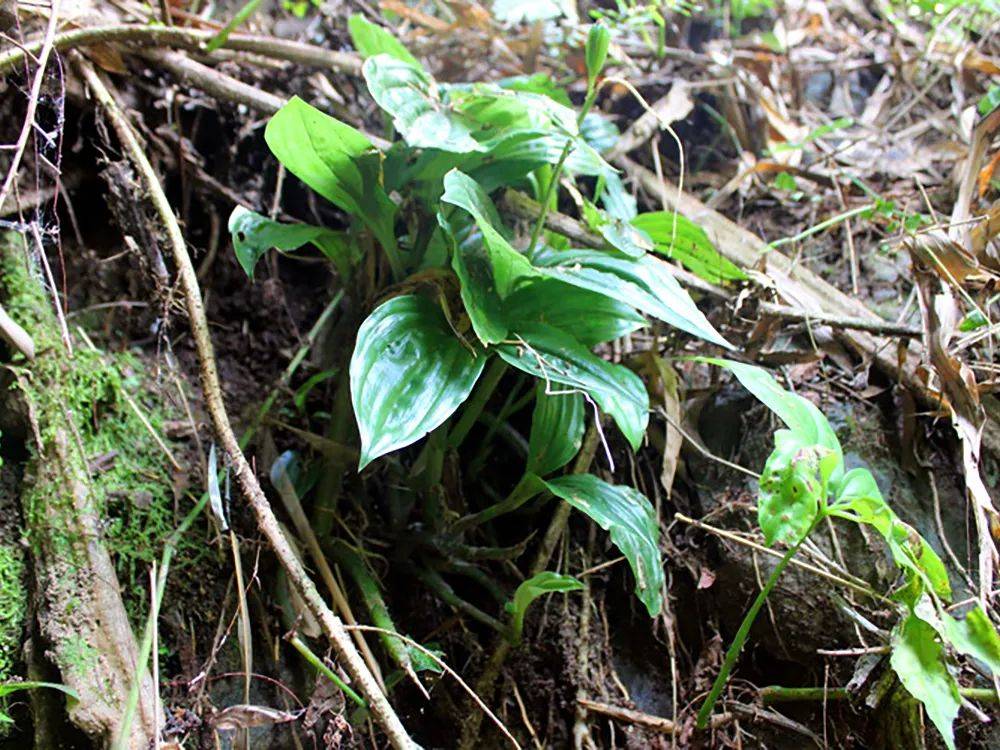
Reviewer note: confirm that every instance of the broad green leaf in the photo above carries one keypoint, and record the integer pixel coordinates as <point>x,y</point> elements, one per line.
<point>617,201</point>
<point>630,518</point>
<point>336,161</point>
<point>538,585</point>
<point>488,268</point>
<point>599,131</point>
<point>556,430</point>
<point>537,83</point>
<point>413,99</point>
<point>409,373</point>
<point>792,488</point>
<point>690,245</point>
<point>858,499</point>
<point>496,109</point>
<point>590,317</point>
<point>974,635</point>
<point>989,102</point>
<point>644,283</point>
<point>559,359</point>
<point>917,660</point>
<point>621,235</point>
<point>254,234</point>
<point>799,414</point>
<point>371,39</point>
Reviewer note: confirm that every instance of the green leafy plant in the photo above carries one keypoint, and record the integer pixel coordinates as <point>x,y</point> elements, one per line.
<point>460,301</point>
<point>805,481</point>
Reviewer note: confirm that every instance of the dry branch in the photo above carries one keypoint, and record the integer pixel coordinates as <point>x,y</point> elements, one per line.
<point>266,520</point>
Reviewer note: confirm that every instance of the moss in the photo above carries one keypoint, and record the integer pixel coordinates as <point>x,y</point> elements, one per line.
<point>13,608</point>
<point>131,484</point>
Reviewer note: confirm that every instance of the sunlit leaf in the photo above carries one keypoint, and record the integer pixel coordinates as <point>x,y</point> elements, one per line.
<point>409,373</point>
<point>371,39</point>
<point>254,234</point>
<point>557,426</point>
<point>560,360</point>
<point>538,585</point>
<point>916,658</point>
<point>689,244</point>
<point>630,518</point>
<point>336,161</point>
<point>413,99</point>
<point>488,268</point>
<point>644,283</point>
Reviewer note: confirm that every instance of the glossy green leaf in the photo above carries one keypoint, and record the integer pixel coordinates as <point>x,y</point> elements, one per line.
<point>799,414</point>
<point>409,373</point>
<point>590,317</point>
<point>371,39</point>
<point>630,519</point>
<point>859,499</point>
<point>537,83</point>
<point>254,234</point>
<point>557,426</point>
<point>488,268</point>
<point>413,99</point>
<point>974,635</point>
<point>989,102</point>
<point>792,488</point>
<point>495,108</point>
<point>917,659</point>
<point>336,161</point>
<point>644,283</point>
<point>689,244</point>
<point>617,201</point>
<point>538,585</point>
<point>560,360</point>
<point>621,235</point>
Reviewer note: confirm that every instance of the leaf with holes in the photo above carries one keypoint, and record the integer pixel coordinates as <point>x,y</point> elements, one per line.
<point>409,373</point>
<point>630,519</point>
<point>792,488</point>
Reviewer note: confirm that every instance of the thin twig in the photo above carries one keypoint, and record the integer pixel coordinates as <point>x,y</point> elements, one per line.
<point>266,521</point>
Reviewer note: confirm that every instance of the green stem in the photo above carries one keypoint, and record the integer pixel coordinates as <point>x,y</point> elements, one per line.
<point>446,593</point>
<point>741,635</point>
<point>371,596</point>
<point>778,694</point>
<point>820,227</point>
<point>477,402</point>
<point>527,488</point>
<point>588,103</point>
<point>320,667</point>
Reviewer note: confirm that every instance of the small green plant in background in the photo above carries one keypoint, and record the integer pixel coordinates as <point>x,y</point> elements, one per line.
<point>805,481</point>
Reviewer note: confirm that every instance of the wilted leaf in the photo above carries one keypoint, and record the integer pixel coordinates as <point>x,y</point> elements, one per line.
<point>409,373</point>
<point>630,518</point>
<point>245,717</point>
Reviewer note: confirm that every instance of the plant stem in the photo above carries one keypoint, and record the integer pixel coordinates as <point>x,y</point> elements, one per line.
<point>310,657</point>
<point>741,635</point>
<point>477,402</point>
<point>527,488</point>
<point>778,694</point>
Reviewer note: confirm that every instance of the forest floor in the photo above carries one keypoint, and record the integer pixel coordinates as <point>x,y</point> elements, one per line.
<point>841,158</point>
